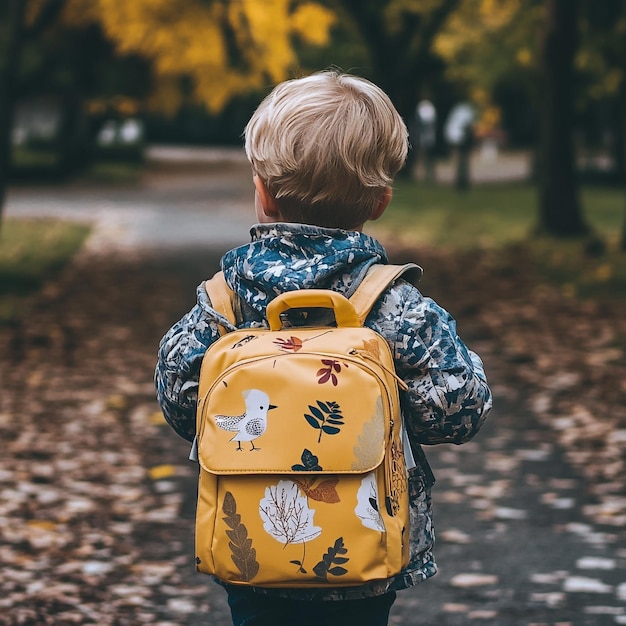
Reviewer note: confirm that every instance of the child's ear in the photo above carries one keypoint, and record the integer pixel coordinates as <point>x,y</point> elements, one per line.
<point>383,203</point>
<point>268,204</point>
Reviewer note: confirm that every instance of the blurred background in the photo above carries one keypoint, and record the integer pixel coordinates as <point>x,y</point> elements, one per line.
<point>523,92</point>
<point>123,180</point>
<point>89,84</point>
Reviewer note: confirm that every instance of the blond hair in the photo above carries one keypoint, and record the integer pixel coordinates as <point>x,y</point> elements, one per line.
<point>326,146</point>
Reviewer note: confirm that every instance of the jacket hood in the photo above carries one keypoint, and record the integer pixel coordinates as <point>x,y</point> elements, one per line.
<point>285,257</point>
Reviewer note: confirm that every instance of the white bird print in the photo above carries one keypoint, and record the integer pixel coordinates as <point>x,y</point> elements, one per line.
<point>252,423</point>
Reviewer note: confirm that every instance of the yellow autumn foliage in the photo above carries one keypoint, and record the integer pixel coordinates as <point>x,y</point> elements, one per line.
<point>159,472</point>
<point>226,47</point>
<point>474,23</point>
<point>484,40</point>
<point>524,57</point>
<point>604,273</point>
<point>311,24</point>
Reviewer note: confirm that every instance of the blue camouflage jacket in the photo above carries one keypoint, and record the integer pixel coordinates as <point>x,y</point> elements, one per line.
<point>447,398</point>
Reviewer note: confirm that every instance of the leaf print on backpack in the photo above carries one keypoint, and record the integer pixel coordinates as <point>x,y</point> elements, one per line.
<point>324,491</point>
<point>330,371</point>
<point>242,552</point>
<point>367,508</point>
<point>331,562</point>
<point>368,448</point>
<point>286,514</point>
<point>293,344</point>
<point>309,463</point>
<point>325,417</point>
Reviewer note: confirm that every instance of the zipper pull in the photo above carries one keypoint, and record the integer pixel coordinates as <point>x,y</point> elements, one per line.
<point>391,503</point>
<point>193,453</point>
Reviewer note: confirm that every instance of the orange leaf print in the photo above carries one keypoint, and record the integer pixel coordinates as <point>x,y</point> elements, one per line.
<point>324,492</point>
<point>293,344</point>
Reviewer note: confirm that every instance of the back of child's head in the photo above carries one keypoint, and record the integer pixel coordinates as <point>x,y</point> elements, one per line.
<point>326,146</point>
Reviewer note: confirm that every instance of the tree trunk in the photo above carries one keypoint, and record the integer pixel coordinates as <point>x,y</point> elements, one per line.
<point>401,58</point>
<point>622,243</point>
<point>619,153</point>
<point>72,143</point>
<point>14,14</point>
<point>559,206</point>
<point>618,128</point>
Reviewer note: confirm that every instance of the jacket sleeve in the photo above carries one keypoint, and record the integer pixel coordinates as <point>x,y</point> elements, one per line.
<point>178,366</point>
<point>448,397</point>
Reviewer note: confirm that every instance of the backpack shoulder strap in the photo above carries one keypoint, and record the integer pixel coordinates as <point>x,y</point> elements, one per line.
<point>221,296</point>
<point>377,279</point>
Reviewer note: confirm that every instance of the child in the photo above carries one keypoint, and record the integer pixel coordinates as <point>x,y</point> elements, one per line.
<point>324,151</point>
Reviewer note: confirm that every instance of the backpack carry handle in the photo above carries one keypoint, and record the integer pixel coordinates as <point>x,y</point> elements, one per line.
<point>345,314</point>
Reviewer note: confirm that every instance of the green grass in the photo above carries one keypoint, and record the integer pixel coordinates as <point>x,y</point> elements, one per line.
<point>110,172</point>
<point>34,158</point>
<point>484,216</point>
<point>33,163</point>
<point>32,251</point>
<point>498,216</point>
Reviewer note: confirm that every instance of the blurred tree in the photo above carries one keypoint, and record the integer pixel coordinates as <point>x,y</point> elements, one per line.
<point>600,64</point>
<point>223,47</point>
<point>559,205</point>
<point>489,48</point>
<point>11,36</point>
<point>505,50</point>
<point>533,45</point>
<point>38,57</point>
<point>84,89</point>
<point>398,37</point>
<point>180,51</point>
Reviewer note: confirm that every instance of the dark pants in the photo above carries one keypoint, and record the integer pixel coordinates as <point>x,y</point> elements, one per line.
<point>253,609</point>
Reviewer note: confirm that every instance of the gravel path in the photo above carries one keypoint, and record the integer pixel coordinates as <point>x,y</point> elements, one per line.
<point>177,204</point>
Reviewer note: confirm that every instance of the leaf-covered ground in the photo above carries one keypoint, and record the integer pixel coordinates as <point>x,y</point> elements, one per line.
<point>96,500</point>
<point>563,358</point>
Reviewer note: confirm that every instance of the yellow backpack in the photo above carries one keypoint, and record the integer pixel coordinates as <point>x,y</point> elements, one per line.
<point>302,473</point>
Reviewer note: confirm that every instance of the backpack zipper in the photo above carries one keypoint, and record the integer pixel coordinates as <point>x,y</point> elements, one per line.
<point>366,355</point>
<point>388,470</point>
